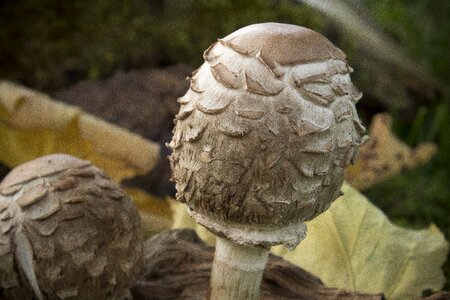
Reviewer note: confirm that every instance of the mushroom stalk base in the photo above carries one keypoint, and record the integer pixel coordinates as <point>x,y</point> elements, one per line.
<point>237,271</point>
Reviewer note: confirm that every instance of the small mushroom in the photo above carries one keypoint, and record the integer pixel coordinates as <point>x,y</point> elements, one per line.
<point>271,126</point>
<point>66,232</point>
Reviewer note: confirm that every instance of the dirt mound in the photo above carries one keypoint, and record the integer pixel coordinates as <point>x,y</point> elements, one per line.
<point>143,101</point>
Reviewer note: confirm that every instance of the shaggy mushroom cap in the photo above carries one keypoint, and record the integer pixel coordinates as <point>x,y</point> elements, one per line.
<point>266,129</point>
<point>66,232</point>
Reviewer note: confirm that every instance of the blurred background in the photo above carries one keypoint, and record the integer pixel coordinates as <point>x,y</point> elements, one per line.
<point>126,61</point>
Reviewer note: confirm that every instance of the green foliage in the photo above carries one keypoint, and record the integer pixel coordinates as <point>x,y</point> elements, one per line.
<point>421,27</point>
<point>47,44</point>
<point>187,28</point>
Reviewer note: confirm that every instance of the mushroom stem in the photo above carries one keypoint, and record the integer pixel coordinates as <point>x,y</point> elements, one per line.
<point>237,271</point>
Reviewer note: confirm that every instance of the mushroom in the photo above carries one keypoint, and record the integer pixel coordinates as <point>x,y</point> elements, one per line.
<point>66,232</point>
<point>260,144</point>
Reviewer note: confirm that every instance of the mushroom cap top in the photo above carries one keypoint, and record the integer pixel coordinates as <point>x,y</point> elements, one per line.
<point>42,166</point>
<point>265,131</point>
<point>284,44</point>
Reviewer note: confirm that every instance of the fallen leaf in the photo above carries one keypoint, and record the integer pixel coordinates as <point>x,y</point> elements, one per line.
<point>353,246</point>
<point>33,125</point>
<point>384,155</point>
<point>155,212</point>
<point>182,219</point>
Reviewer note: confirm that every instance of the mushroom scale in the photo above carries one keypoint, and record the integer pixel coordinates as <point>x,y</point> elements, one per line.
<point>66,232</point>
<point>272,111</point>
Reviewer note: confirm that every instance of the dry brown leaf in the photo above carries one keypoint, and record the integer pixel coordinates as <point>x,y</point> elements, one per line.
<point>32,125</point>
<point>384,155</point>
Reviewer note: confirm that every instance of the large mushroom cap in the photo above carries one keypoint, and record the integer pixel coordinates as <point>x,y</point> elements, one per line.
<point>283,43</point>
<point>265,130</point>
<point>66,232</point>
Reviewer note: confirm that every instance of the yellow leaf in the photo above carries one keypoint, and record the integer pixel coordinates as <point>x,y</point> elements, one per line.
<point>354,246</point>
<point>182,219</point>
<point>385,155</point>
<point>33,125</point>
<point>155,212</point>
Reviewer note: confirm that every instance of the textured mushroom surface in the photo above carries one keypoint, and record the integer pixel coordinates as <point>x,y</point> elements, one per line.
<point>66,232</point>
<point>267,127</point>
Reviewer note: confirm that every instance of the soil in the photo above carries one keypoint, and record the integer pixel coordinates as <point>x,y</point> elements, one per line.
<point>143,101</point>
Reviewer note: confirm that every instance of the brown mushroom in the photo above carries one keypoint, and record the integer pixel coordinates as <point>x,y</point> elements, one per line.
<point>66,232</point>
<point>260,144</point>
